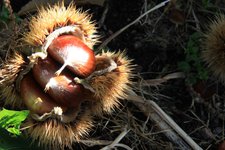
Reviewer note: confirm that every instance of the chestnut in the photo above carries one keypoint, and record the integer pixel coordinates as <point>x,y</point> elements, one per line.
<point>34,98</point>
<point>108,75</point>
<point>61,88</point>
<point>73,53</point>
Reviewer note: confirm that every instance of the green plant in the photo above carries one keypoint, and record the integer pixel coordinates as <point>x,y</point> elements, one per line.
<point>192,65</point>
<point>11,120</point>
<point>10,134</point>
<point>207,4</point>
<point>5,15</point>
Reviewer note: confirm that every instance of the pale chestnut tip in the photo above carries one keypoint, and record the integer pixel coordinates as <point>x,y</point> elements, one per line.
<point>60,88</point>
<point>66,85</point>
<point>110,81</point>
<point>34,98</point>
<point>74,54</point>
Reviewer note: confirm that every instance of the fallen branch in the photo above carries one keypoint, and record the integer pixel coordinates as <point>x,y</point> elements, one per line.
<point>164,123</point>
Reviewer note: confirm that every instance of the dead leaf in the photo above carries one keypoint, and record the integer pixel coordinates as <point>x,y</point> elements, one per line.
<point>176,16</point>
<point>222,146</point>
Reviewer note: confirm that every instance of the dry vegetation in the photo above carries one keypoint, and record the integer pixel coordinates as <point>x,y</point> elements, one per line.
<point>172,80</point>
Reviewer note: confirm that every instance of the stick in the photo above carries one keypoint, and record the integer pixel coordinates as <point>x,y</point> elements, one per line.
<point>165,123</point>
<point>116,143</point>
<point>130,24</point>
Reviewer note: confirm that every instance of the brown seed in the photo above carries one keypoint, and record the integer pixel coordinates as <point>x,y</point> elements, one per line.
<point>61,88</point>
<point>34,98</point>
<point>74,54</point>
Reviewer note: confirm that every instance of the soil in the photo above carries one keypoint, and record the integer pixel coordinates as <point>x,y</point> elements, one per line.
<point>157,45</point>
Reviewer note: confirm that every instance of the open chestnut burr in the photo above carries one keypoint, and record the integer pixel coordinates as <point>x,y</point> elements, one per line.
<point>64,83</point>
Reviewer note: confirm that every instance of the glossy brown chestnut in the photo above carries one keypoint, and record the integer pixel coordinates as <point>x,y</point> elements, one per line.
<point>34,98</point>
<point>61,88</point>
<point>73,53</point>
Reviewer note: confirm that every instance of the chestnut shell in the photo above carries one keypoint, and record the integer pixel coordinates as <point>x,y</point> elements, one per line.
<point>61,88</point>
<point>34,98</point>
<point>70,50</point>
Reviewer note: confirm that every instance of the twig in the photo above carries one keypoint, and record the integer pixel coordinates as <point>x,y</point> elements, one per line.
<point>164,122</point>
<point>123,146</point>
<point>116,143</point>
<point>196,20</point>
<point>130,24</point>
<point>91,143</point>
<point>102,20</point>
<point>158,81</point>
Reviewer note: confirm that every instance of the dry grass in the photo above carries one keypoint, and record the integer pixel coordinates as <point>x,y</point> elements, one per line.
<point>134,125</point>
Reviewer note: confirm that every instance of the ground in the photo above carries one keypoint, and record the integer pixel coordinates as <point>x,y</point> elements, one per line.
<point>161,45</point>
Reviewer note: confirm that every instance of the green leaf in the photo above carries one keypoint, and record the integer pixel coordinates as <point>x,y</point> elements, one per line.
<point>184,66</point>
<point>11,120</point>
<point>207,4</point>
<point>4,14</point>
<point>203,74</point>
<point>191,79</point>
<point>192,64</point>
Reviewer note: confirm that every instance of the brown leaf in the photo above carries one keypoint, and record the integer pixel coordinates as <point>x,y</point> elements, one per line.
<point>176,16</point>
<point>222,146</point>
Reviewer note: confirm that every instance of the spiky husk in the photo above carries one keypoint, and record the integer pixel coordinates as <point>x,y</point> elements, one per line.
<point>51,18</point>
<point>53,134</point>
<point>9,73</point>
<point>112,86</point>
<point>109,88</point>
<point>214,47</point>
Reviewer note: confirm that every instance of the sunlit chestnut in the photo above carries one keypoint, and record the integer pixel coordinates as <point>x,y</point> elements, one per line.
<point>61,88</point>
<point>72,53</point>
<point>34,98</point>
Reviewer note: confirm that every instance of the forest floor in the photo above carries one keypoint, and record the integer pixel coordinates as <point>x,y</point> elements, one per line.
<point>165,42</point>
